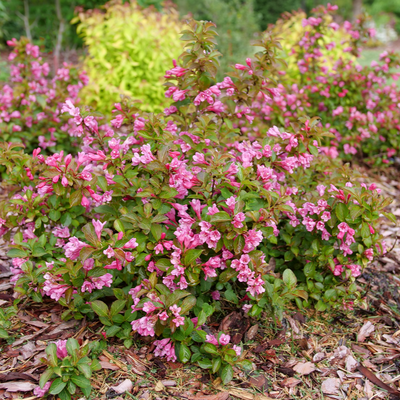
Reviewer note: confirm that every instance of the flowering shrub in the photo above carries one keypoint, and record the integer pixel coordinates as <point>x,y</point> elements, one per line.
<point>128,48</point>
<point>30,106</point>
<point>69,369</point>
<point>356,104</point>
<point>176,214</point>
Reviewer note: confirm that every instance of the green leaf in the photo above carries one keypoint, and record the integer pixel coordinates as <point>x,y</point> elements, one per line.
<point>188,304</point>
<point>320,306</point>
<point>192,255</point>
<point>205,363</point>
<point>238,245</point>
<point>85,369</point>
<point>71,387</point>
<point>64,395</point>
<point>226,374</point>
<point>72,347</point>
<point>112,330</point>
<point>313,150</point>
<point>175,296</point>
<point>57,386</point>
<point>100,308</point>
<point>168,192</point>
<point>220,216</point>
<point>75,198</point>
<point>156,230</point>
<point>95,365</point>
<point>341,211</point>
<point>184,353</point>
<point>81,381</point>
<point>4,334</point>
<point>117,307</point>
<point>13,253</point>
<point>289,278</point>
<point>45,377</point>
<point>51,351</point>
<point>210,348</point>
<point>90,234</point>
<point>230,295</point>
<point>38,251</point>
<point>216,364</point>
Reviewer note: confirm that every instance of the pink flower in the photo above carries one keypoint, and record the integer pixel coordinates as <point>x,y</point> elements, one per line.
<point>53,288</point>
<point>215,295</point>
<point>369,253</point>
<point>61,349</point>
<point>165,348</point>
<point>238,350</point>
<point>224,339</point>
<point>101,281</point>
<point>144,326</point>
<point>211,339</point>
<point>39,392</point>
<point>109,252</point>
<point>131,244</point>
<point>175,310</point>
<point>73,248</point>
<point>98,227</point>
<point>238,219</point>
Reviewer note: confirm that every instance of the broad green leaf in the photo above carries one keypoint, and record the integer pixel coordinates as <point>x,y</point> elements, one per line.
<point>57,386</point>
<point>100,308</point>
<point>289,278</point>
<point>81,381</point>
<point>191,256</point>
<point>226,374</point>
<point>184,353</point>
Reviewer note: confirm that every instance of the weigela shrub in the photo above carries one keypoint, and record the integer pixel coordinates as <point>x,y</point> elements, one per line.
<point>30,106</point>
<point>128,49</point>
<point>162,218</point>
<point>359,105</point>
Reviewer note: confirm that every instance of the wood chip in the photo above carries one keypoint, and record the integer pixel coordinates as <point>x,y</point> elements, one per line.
<point>304,368</point>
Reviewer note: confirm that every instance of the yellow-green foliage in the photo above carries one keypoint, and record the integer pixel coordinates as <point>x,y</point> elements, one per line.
<point>129,49</point>
<point>290,30</point>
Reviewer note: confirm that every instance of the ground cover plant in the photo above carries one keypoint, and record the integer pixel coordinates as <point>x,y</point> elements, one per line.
<point>31,104</point>
<point>359,105</point>
<point>167,217</point>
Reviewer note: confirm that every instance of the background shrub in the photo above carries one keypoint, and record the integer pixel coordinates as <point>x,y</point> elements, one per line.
<point>30,106</point>
<point>128,48</point>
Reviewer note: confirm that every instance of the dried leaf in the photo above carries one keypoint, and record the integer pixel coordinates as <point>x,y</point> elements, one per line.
<point>290,382</point>
<point>107,365</point>
<point>351,363</point>
<point>251,333</point>
<point>218,396</point>
<point>18,386</point>
<point>376,381</point>
<point>319,357</point>
<point>304,368</point>
<point>27,350</point>
<point>159,387</point>
<point>330,386</point>
<point>365,331</point>
<point>125,386</point>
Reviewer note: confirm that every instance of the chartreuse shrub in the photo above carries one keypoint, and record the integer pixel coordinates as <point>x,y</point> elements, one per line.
<point>358,105</point>
<point>30,105</point>
<point>155,229</point>
<point>129,48</point>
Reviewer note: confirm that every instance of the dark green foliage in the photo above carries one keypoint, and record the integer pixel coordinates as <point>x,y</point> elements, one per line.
<point>236,21</point>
